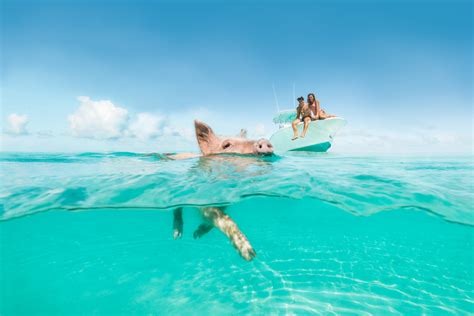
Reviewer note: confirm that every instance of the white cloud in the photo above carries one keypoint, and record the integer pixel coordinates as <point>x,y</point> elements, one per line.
<point>183,122</point>
<point>98,119</point>
<point>259,130</point>
<point>45,134</point>
<point>405,140</point>
<point>147,126</point>
<point>17,124</point>
<point>104,120</point>
<point>103,126</point>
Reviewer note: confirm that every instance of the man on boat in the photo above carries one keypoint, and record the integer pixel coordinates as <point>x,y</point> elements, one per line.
<point>308,112</point>
<point>303,113</point>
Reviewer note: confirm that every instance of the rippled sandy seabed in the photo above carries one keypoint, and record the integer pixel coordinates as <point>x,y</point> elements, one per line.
<point>92,234</point>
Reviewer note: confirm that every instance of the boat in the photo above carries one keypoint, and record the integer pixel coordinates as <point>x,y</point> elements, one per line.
<point>318,138</point>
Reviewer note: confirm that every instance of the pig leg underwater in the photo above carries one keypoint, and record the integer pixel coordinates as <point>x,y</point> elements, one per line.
<point>225,224</point>
<point>178,223</point>
<point>203,229</point>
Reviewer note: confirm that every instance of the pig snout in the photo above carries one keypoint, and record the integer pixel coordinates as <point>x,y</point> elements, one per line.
<point>264,147</point>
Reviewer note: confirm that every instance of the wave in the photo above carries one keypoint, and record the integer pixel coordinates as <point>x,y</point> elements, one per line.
<point>73,158</point>
<point>123,180</point>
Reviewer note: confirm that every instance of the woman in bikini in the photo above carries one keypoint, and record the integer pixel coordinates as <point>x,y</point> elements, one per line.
<point>303,113</point>
<point>317,112</point>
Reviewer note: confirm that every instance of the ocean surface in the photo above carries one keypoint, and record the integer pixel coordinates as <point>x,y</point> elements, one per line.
<point>92,234</point>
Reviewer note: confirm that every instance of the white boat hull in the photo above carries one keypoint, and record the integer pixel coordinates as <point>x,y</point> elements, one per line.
<point>318,138</point>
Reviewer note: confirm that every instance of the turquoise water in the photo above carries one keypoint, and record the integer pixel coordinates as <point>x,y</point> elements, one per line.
<point>92,234</point>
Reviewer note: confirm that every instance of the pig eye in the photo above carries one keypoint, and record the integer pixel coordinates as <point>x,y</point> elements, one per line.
<point>226,145</point>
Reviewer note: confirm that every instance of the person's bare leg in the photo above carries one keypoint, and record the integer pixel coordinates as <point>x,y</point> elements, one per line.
<point>307,120</point>
<point>323,115</point>
<point>225,224</point>
<point>295,129</point>
<point>178,223</point>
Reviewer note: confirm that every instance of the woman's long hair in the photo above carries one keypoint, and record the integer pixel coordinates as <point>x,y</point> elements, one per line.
<point>314,98</point>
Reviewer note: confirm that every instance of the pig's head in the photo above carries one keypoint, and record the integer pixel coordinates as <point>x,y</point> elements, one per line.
<point>211,144</point>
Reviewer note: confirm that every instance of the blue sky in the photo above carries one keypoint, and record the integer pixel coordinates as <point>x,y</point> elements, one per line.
<point>400,72</point>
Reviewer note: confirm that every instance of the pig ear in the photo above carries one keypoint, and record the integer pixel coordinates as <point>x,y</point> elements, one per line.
<point>206,138</point>
<point>243,133</point>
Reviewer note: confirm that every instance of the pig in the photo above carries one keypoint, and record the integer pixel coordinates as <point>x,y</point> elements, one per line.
<point>211,144</point>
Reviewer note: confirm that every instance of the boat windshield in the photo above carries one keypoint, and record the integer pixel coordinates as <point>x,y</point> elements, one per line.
<point>284,117</point>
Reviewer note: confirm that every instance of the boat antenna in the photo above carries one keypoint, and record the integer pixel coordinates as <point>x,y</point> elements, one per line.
<point>276,98</point>
<point>294,97</point>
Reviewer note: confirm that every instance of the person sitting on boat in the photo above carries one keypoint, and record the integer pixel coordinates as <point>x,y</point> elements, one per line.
<point>316,111</point>
<point>303,113</point>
